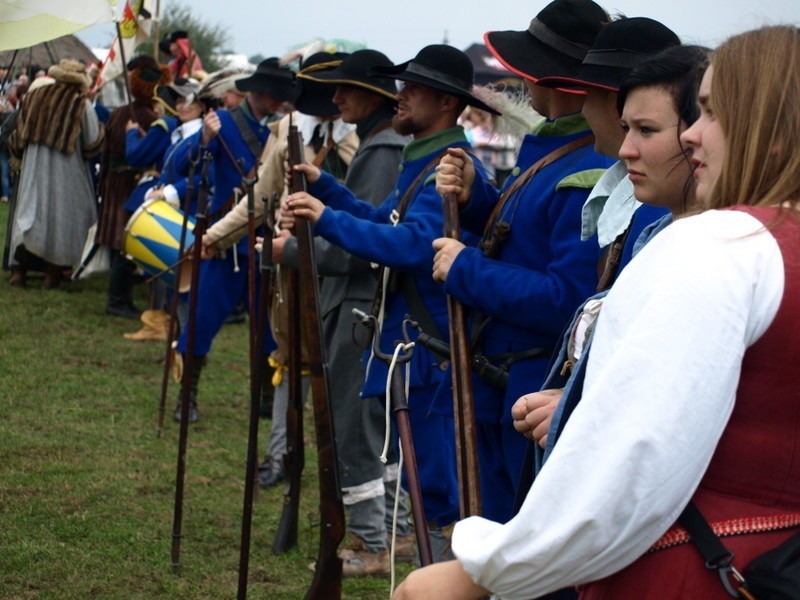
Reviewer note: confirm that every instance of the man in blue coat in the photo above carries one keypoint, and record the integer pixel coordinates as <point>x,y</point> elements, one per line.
<point>234,139</point>
<point>398,235</point>
<point>531,269</point>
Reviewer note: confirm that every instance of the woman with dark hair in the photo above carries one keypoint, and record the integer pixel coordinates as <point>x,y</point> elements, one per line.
<point>657,102</point>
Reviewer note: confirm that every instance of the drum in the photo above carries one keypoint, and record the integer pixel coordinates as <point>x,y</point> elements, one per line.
<point>152,238</point>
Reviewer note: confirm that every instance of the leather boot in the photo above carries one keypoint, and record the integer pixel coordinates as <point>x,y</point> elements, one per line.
<point>156,324</point>
<point>120,288</point>
<point>194,415</point>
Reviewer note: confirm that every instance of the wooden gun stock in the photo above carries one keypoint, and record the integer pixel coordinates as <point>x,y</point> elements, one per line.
<point>327,582</point>
<point>463,402</point>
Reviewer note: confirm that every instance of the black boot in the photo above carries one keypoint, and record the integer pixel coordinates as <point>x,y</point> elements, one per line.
<point>120,288</point>
<point>194,415</point>
<point>267,392</point>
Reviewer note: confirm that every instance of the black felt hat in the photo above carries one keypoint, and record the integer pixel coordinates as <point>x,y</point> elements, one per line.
<point>555,43</point>
<point>316,99</point>
<point>619,47</point>
<point>439,67</point>
<point>270,78</point>
<point>353,70</point>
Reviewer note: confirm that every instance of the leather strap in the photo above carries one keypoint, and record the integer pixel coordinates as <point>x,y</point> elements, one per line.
<point>553,156</point>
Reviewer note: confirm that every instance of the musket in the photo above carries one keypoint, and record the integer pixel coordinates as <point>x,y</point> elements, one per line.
<point>399,404</point>
<point>327,582</point>
<point>186,382</point>
<point>494,375</point>
<point>294,457</point>
<point>256,382</point>
<point>469,490</point>
<point>172,328</point>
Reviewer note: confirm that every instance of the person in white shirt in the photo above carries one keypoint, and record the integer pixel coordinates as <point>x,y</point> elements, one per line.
<point>671,397</point>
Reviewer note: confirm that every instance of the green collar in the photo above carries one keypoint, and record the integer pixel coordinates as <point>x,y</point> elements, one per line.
<point>438,141</point>
<point>562,126</point>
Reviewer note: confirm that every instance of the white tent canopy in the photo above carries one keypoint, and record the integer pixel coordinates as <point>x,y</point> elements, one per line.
<point>24,23</point>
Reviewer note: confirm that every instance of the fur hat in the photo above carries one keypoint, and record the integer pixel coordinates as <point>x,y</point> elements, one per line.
<point>70,71</point>
<point>145,74</point>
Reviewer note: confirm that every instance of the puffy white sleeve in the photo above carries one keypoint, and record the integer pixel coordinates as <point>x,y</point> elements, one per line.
<point>660,387</point>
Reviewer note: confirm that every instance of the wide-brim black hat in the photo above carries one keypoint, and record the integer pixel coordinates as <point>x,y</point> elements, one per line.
<point>270,78</point>
<point>441,68</point>
<point>353,70</point>
<point>555,43</point>
<point>619,47</point>
<point>316,99</point>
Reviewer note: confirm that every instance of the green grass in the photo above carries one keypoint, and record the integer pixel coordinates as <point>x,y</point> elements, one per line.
<point>86,487</point>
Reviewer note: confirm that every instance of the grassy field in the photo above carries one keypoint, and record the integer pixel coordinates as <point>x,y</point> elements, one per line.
<point>86,487</point>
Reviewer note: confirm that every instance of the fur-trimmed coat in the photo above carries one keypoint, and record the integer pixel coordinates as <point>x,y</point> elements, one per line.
<point>57,131</point>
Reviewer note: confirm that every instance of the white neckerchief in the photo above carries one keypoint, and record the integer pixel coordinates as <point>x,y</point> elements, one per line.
<point>307,123</point>
<point>610,206</point>
<point>184,130</point>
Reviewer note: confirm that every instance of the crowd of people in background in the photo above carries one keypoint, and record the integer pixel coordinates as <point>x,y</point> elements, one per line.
<point>627,258</point>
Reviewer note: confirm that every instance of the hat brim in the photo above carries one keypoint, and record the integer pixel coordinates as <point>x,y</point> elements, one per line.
<point>524,55</point>
<point>336,76</point>
<point>595,76</point>
<point>400,73</point>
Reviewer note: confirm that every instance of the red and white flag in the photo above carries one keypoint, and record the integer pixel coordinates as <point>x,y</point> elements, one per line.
<point>134,27</point>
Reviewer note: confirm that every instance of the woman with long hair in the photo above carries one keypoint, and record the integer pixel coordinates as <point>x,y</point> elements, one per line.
<point>691,387</point>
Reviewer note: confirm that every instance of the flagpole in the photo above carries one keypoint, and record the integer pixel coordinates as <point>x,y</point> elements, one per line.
<point>156,30</point>
<point>124,63</point>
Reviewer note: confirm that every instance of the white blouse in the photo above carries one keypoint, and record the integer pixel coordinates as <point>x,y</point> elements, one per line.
<point>660,387</point>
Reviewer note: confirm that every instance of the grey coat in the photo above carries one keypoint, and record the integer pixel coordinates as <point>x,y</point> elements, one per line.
<point>349,282</point>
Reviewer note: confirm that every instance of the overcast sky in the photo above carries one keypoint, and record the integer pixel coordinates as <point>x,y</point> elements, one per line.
<point>401,28</point>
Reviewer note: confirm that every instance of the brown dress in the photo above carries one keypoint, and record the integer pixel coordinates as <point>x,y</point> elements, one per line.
<point>117,177</point>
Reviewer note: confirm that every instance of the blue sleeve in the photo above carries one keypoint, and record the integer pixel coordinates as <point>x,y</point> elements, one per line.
<point>146,150</point>
<point>644,216</point>
<point>339,198</point>
<point>482,201</point>
<point>550,271</point>
<point>407,245</point>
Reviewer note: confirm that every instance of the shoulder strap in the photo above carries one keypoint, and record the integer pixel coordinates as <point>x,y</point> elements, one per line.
<point>246,131</point>
<point>613,258</point>
<point>717,557</point>
<point>405,201</point>
<point>553,156</point>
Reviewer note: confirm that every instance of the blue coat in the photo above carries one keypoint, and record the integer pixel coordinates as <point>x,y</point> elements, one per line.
<point>367,232</point>
<point>226,174</point>
<point>147,151</point>
<point>542,271</point>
